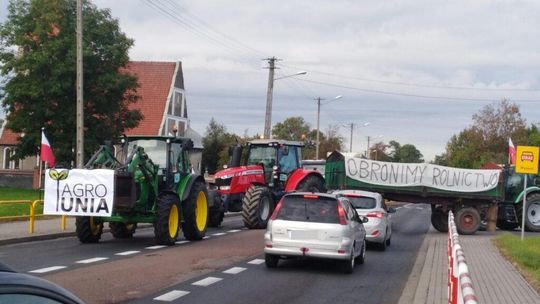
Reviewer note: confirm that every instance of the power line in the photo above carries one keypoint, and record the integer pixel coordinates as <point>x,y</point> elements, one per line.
<point>416,84</point>
<point>407,94</point>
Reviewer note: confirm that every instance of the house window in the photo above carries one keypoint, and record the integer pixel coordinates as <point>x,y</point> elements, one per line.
<point>8,163</point>
<point>176,106</point>
<point>170,124</point>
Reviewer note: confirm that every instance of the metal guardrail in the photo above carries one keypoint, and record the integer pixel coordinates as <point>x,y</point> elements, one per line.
<point>32,216</point>
<point>460,287</point>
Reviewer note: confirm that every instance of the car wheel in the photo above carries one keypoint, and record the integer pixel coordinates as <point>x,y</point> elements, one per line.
<point>388,242</point>
<point>362,257</point>
<point>271,260</point>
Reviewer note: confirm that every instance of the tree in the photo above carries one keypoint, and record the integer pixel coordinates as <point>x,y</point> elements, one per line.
<point>330,142</point>
<point>38,56</point>
<point>404,154</point>
<point>216,143</point>
<point>487,139</point>
<point>292,128</point>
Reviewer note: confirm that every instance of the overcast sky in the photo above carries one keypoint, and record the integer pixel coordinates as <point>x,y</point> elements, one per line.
<point>415,70</point>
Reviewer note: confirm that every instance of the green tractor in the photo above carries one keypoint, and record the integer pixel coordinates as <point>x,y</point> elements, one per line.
<point>154,184</point>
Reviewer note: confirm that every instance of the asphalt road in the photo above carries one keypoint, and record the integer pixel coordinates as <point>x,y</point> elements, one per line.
<point>225,268</point>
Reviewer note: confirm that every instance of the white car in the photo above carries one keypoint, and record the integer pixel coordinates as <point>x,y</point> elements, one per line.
<point>372,205</point>
<point>317,225</point>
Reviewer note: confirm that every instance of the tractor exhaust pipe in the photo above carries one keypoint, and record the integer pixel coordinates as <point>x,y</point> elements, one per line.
<point>236,156</point>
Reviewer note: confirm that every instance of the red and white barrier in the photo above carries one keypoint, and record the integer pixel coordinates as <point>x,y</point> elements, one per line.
<point>460,287</point>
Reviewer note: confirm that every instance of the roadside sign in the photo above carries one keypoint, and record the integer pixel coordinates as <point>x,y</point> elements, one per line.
<point>527,159</point>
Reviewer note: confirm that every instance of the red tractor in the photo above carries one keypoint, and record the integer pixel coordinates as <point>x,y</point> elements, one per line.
<point>271,169</point>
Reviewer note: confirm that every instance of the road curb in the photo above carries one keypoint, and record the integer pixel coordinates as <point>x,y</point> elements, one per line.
<point>413,281</point>
<point>57,235</point>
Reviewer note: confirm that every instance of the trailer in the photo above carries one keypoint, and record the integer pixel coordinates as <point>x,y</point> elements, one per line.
<point>469,193</point>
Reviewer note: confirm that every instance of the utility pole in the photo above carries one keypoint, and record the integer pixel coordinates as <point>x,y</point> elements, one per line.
<point>367,150</point>
<point>80,108</point>
<point>268,115</point>
<point>351,125</point>
<point>318,99</point>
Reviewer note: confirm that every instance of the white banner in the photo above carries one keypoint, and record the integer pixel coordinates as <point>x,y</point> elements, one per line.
<point>79,192</point>
<point>423,174</point>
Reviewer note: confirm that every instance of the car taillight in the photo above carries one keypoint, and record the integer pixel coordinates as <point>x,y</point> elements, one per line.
<point>341,213</point>
<point>311,196</point>
<point>377,214</point>
<point>276,211</point>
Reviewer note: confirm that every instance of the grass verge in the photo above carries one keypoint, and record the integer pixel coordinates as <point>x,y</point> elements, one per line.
<point>10,194</point>
<point>523,254</point>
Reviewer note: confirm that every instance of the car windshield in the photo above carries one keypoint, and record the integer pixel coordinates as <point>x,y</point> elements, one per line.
<point>262,154</point>
<point>318,210</point>
<point>362,202</point>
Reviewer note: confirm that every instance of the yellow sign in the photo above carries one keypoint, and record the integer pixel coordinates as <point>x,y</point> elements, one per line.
<point>527,159</point>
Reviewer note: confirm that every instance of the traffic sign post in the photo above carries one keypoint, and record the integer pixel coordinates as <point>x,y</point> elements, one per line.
<point>526,163</point>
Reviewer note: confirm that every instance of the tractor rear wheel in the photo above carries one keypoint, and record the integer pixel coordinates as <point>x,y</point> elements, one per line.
<point>532,212</point>
<point>439,219</point>
<point>167,221</point>
<point>467,220</point>
<point>312,183</point>
<point>257,207</point>
<point>195,211</point>
<point>122,230</point>
<point>89,229</point>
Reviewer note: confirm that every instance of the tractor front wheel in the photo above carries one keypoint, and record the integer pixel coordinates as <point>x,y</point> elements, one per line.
<point>122,230</point>
<point>257,207</point>
<point>167,221</point>
<point>89,229</point>
<point>532,212</point>
<point>195,210</point>
<point>215,218</point>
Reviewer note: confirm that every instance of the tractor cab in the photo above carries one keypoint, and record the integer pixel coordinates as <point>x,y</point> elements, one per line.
<point>274,155</point>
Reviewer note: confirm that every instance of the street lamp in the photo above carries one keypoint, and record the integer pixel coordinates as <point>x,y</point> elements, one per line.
<point>269,93</point>
<point>318,99</point>
<point>352,125</point>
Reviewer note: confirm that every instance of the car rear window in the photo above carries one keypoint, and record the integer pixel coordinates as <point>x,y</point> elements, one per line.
<point>362,202</point>
<point>317,210</point>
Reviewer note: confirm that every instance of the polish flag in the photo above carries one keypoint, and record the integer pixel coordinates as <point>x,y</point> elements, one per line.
<point>511,152</point>
<point>46,151</point>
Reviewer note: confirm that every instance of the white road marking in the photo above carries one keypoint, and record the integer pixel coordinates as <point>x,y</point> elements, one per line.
<point>234,230</point>
<point>155,247</point>
<point>48,269</point>
<point>127,252</point>
<point>218,234</point>
<point>206,237</point>
<point>207,281</point>
<point>181,242</point>
<point>171,296</point>
<point>234,270</point>
<point>409,205</point>
<point>256,262</point>
<point>92,260</point>
<point>419,208</point>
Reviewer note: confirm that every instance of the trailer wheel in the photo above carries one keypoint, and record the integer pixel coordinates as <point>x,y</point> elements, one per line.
<point>89,229</point>
<point>532,212</point>
<point>439,219</point>
<point>195,210</point>
<point>167,221</point>
<point>257,207</point>
<point>467,220</point>
<point>122,230</point>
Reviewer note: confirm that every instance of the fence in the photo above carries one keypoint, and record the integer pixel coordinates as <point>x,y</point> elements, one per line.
<point>32,216</point>
<point>460,287</point>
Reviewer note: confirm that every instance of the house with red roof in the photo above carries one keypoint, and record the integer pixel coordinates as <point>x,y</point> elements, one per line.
<point>162,103</point>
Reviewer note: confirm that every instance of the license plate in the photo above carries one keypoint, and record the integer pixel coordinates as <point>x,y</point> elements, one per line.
<point>303,235</point>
